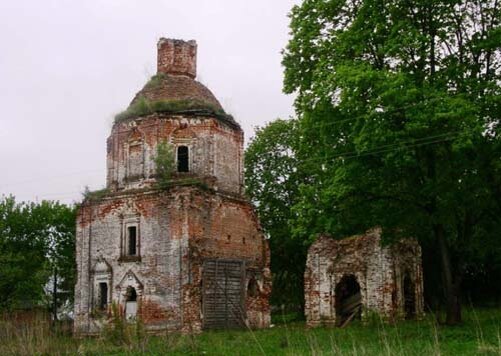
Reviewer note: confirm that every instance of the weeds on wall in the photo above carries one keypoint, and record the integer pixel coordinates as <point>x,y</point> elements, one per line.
<point>165,163</point>
<point>95,194</point>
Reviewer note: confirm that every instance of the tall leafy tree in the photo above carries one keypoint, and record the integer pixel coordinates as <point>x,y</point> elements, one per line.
<point>36,239</point>
<point>272,179</point>
<point>400,103</point>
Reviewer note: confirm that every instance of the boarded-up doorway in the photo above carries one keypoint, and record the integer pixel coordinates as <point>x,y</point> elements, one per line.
<point>223,294</point>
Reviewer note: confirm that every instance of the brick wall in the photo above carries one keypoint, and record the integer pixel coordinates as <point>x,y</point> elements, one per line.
<point>175,229</point>
<point>215,150</point>
<point>379,272</point>
<point>178,229</point>
<point>177,57</point>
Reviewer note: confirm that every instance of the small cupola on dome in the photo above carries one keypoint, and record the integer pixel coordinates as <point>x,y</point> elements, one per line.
<point>177,57</point>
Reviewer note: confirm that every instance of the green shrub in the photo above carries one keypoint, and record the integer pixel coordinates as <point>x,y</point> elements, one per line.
<point>125,333</point>
<point>116,329</point>
<point>165,163</point>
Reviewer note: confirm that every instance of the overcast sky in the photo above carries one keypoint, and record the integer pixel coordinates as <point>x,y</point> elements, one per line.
<point>67,67</point>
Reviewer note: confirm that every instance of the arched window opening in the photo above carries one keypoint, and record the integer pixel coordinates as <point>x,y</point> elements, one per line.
<point>252,288</point>
<point>131,295</point>
<point>409,297</point>
<point>103,295</point>
<point>183,159</point>
<point>348,300</point>
<point>130,303</point>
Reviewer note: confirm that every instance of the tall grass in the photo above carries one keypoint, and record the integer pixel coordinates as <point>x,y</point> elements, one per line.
<point>35,336</point>
<point>478,335</point>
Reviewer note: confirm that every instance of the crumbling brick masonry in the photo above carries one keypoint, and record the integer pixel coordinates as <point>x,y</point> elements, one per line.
<point>190,255</point>
<point>352,277</point>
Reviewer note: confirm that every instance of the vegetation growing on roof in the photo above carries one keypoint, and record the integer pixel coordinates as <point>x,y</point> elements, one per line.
<point>155,81</point>
<point>144,107</point>
<point>95,194</point>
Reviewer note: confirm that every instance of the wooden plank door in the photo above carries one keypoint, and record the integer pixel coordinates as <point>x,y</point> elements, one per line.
<point>223,294</point>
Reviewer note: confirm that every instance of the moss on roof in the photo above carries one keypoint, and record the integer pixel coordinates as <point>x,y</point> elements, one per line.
<point>175,94</point>
<point>143,107</point>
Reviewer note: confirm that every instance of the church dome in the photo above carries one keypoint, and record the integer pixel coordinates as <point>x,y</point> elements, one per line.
<point>174,88</point>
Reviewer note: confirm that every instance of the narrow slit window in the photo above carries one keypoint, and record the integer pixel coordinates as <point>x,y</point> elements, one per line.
<point>132,240</point>
<point>182,159</point>
<point>103,295</point>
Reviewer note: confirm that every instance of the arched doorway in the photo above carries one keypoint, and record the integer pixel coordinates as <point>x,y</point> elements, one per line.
<point>252,288</point>
<point>130,303</point>
<point>348,300</point>
<point>409,297</point>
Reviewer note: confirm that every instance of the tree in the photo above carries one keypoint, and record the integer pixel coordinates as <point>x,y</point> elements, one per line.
<point>399,103</point>
<point>272,179</point>
<point>36,239</point>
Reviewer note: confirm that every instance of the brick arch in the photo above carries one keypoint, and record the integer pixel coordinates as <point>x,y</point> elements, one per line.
<point>129,280</point>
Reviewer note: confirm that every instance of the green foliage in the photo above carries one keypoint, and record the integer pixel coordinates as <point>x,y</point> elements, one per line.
<point>155,81</point>
<point>272,179</point>
<point>165,163</point>
<point>143,107</point>
<point>35,239</point>
<point>115,330</point>
<point>121,332</point>
<point>399,106</point>
<point>95,194</point>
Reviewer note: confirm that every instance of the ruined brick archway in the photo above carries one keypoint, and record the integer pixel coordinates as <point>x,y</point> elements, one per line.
<point>353,277</point>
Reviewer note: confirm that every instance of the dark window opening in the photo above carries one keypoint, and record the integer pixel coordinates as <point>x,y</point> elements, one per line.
<point>348,300</point>
<point>409,297</point>
<point>182,159</point>
<point>132,240</point>
<point>131,295</point>
<point>103,295</point>
<point>252,288</point>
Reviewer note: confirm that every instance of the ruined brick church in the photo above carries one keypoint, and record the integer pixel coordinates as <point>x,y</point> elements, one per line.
<point>189,255</point>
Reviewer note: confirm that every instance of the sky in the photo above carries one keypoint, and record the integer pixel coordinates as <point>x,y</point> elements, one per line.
<point>67,67</point>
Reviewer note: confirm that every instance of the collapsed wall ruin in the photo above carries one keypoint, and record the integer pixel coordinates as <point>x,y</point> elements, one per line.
<point>353,277</point>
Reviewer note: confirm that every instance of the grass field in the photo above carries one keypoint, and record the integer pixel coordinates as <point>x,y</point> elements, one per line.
<point>480,334</point>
